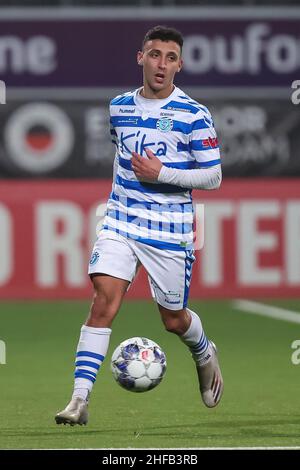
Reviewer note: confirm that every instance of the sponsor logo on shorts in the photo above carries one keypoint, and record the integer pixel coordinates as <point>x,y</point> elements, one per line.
<point>172,297</point>
<point>94,258</point>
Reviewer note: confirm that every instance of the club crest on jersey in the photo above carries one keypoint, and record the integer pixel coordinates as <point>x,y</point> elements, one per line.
<point>164,124</point>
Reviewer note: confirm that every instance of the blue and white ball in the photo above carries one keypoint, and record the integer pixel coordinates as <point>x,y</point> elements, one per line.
<point>138,364</point>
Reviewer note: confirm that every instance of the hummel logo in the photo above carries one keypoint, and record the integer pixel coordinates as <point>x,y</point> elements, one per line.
<point>126,111</point>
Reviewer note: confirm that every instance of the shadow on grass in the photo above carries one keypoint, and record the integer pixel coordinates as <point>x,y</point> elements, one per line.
<point>256,427</point>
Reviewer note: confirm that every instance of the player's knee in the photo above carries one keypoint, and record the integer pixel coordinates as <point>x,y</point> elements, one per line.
<point>172,325</point>
<point>171,328</point>
<point>174,321</point>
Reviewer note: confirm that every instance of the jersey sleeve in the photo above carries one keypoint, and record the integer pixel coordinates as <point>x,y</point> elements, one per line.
<point>204,144</point>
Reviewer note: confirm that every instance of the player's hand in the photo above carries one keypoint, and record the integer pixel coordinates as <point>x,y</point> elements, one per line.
<point>146,169</point>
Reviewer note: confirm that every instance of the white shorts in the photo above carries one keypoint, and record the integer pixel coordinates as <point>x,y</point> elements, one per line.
<point>169,271</point>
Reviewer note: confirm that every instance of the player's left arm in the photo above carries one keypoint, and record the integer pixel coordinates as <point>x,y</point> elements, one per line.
<point>152,170</point>
<point>146,169</point>
<point>204,149</point>
<point>202,178</point>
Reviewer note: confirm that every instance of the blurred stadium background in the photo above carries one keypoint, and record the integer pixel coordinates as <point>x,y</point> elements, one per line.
<point>62,61</point>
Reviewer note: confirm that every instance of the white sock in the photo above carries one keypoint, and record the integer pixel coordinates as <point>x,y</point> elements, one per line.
<point>91,351</point>
<point>196,340</point>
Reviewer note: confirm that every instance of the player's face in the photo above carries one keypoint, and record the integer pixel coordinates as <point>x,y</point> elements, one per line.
<point>161,60</point>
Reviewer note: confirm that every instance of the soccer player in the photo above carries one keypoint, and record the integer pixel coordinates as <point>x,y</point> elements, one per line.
<point>166,145</point>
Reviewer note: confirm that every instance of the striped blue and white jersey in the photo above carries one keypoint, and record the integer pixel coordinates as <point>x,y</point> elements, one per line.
<point>180,132</point>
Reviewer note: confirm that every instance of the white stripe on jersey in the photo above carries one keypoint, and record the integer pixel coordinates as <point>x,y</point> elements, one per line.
<point>156,198</point>
<point>158,214</point>
<point>149,232</point>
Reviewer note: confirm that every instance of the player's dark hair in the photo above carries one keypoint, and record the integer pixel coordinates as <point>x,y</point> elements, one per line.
<point>164,33</point>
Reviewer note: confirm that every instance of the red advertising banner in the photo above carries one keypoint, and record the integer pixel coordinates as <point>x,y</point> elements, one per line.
<point>251,239</point>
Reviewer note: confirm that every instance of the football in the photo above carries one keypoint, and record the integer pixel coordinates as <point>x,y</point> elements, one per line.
<point>138,364</point>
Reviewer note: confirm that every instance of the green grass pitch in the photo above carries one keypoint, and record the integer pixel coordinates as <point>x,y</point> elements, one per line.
<point>260,406</point>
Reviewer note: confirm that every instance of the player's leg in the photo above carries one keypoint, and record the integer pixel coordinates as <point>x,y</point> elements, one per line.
<point>95,334</point>
<point>93,345</point>
<point>187,325</point>
<point>170,276</point>
<point>111,276</point>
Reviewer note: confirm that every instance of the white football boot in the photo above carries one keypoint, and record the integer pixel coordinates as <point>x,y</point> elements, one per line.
<point>210,379</point>
<point>76,412</point>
